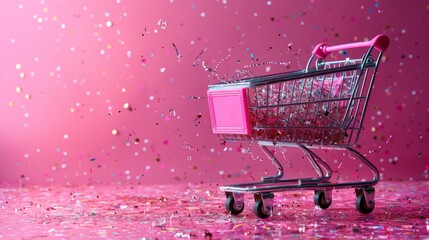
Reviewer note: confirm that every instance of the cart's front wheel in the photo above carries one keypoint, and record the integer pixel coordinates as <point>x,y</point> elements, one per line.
<point>362,206</point>
<point>321,200</point>
<point>259,209</point>
<point>233,207</point>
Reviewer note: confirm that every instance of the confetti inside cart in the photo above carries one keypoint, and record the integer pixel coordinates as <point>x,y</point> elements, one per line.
<point>322,106</point>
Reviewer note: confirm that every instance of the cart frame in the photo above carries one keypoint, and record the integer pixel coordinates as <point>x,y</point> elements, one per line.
<point>300,84</point>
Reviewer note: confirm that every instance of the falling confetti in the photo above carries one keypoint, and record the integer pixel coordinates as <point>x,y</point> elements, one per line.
<point>389,138</point>
<point>194,97</point>
<point>162,23</point>
<point>179,56</point>
<point>266,63</point>
<point>197,58</point>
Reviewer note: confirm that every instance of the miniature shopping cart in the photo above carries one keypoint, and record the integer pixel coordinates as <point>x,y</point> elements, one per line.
<point>322,106</point>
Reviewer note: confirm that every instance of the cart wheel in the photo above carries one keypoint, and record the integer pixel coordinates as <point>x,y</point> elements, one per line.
<point>321,200</point>
<point>231,206</point>
<point>259,209</point>
<point>361,205</point>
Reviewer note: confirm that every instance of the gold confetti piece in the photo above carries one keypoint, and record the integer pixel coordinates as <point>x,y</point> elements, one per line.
<point>237,226</point>
<point>266,227</point>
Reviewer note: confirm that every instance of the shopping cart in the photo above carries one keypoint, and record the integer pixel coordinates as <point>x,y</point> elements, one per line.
<point>319,107</point>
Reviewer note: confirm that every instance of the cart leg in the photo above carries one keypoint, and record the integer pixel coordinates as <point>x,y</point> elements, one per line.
<point>275,162</point>
<point>263,204</point>
<point>374,170</point>
<point>321,167</point>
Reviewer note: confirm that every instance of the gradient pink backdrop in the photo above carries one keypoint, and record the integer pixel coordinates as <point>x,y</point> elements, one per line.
<point>67,69</point>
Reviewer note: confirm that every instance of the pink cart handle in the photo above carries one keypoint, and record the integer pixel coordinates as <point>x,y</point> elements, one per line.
<point>380,42</point>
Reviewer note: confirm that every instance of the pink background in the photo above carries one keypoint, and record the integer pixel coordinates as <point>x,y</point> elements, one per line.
<point>67,69</point>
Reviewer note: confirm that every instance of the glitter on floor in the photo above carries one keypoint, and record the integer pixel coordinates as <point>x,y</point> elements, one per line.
<point>197,211</point>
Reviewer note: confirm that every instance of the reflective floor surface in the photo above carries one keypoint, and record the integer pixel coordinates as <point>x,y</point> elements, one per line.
<point>121,211</point>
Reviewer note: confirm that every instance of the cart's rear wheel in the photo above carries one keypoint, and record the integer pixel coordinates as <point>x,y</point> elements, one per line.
<point>362,206</point>
<point>259,209</point>
<point>233,207</point>
<point>321,200</point>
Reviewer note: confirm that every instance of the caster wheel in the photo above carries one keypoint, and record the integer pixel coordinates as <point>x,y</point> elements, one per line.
<point>259,209</point>
<point>362,206</point>
<point>321,200</point>
<point>233,207</point>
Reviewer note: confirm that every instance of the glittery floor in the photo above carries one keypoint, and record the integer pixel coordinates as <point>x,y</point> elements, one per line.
<point>121,211</point>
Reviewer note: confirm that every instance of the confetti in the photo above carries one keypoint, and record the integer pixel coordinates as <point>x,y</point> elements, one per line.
<point>177,52</point>
<point>197,58</point>
<point>188,146</point>
<point>194,97</point>
<point>389,138</point>
<point>266,63</point>
<point>213,72</point>
<point>162,23</point>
